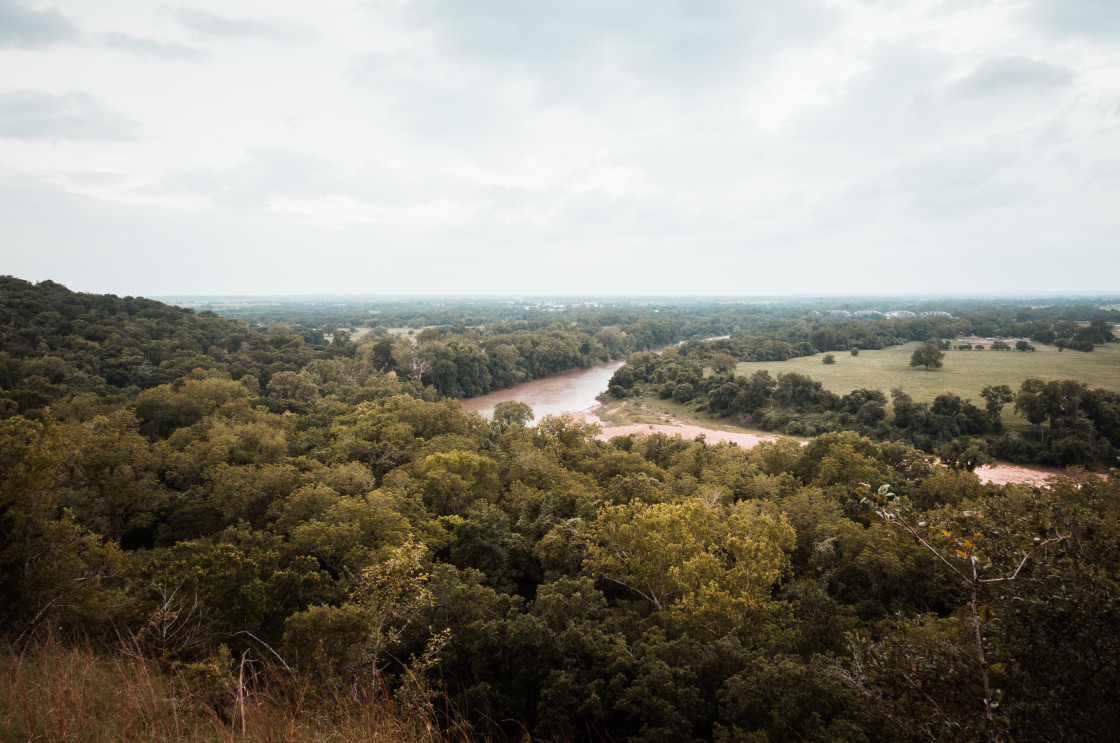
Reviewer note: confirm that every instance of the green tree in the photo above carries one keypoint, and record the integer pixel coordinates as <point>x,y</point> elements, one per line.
<point>51,568</point>
<point>723,363</point>
<point>928,355</point>
<point>710,565</point>
<point>995,397</point>
<point>1036,402</point>
<point>297,386</point>
<point>454,480</point>
<point>511,413</point>
<point>361,639</point>
<point>110,483</point>
<point>965,453</point>
<point>381,353</point>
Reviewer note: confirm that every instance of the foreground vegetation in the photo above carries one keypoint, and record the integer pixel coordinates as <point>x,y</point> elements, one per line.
<point>51,690</point>
<point>285,535</point>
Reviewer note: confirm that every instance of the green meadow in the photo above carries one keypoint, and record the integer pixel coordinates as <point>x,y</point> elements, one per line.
<point>964,373</point>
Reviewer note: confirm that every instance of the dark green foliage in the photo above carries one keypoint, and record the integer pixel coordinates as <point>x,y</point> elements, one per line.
<point>930,356</point>
<point>965,453</point>
<point>683,392</point>
<point>216,490</point>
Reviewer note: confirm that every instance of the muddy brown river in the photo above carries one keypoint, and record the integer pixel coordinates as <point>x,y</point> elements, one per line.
<point>567,392</point>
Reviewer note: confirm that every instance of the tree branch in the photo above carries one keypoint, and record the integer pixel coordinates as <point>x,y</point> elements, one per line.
<point>1036,548</point>
<point>905,525</point>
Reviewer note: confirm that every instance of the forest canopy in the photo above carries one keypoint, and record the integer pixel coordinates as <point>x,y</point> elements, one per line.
<point>252,505</point>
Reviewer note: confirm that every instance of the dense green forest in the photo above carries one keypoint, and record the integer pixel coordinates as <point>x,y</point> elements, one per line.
<point>258,514</point>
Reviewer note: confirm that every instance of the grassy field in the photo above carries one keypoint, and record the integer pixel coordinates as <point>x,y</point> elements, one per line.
<point>965,373</point>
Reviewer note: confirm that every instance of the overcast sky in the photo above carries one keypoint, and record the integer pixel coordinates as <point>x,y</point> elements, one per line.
<point>574,146</point>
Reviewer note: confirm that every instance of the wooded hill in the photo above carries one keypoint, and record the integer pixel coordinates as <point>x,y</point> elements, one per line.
<point>260,515</point>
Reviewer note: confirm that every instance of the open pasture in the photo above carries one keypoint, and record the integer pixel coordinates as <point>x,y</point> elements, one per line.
<point>964,373</point>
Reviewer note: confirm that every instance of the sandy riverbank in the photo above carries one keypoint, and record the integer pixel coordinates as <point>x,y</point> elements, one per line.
<point>1006,474</point>
<point>745,440</point>
<point>1000,474</point>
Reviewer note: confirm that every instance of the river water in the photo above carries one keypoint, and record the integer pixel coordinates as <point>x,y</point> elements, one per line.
<point>566,392</point>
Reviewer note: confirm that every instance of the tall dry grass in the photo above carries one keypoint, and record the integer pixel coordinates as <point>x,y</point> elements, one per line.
<point>58,692</point>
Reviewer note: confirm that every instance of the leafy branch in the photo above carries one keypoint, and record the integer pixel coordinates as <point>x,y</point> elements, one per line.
<point>970,567</point>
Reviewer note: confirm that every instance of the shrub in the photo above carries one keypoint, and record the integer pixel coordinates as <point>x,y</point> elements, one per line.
<point>1012,447</point>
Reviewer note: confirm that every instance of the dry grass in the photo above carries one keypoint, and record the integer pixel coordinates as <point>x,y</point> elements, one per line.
<point>60,693</point>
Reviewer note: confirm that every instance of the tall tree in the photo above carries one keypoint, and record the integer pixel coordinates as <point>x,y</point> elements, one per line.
<point>929,356</point>
<point>722,363</point>
<point>996,396</point>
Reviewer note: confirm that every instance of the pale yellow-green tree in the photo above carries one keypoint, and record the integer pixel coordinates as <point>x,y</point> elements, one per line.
<point>455,479</point>
<point>709,565</point>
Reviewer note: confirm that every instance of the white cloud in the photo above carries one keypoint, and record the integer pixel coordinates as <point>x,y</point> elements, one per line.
<point>1096,19</point>
<point>583,146</point>
<point>32,114</point>
<point>153,48</point>
<point>1002,75</point>
<point>337,211</point>
<point>206,24</point>
<point>28,28</point>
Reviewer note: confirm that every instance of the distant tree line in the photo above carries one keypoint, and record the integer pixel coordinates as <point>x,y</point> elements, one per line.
<point>57,343</point>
